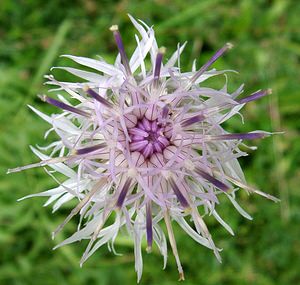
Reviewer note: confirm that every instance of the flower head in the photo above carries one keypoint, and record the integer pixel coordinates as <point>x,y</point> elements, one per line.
<point>146,145</point>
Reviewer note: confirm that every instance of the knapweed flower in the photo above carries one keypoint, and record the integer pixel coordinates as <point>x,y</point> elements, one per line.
<point>143,146</point>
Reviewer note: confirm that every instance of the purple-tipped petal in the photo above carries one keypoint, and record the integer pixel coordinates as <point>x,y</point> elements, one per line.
<point>158,62</point>
<point>97,97</point>
<point>184,203</point>
<point>212,180</point>
<point>123,193</point>
<point>192,120</point>
<point>255,96</point>
<point>149,229</point>
<point>90,149</point>
<point>241,136</point>
<point>121,49</point>
<point>218,54</point>
<point>64,106</point>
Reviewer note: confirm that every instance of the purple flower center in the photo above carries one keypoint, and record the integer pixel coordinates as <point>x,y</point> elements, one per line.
<point>148,137</point>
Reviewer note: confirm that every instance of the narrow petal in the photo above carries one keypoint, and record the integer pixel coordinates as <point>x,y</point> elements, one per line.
<point>184,203</point>
<point>158,63</point>
<point>149,229</point>
<point>219,53</point>
<point>121,48</point>
<point>97,97</point>
<point>95,64</point>
<point>90,149</point>
<point>123,193</point>
<point>192,120</point>
<point>255,96</point>
<point>64,106</point>
<point>241,136</point>
<point>212,180</point>
<point>173,245</point>
<point>80,205</point>
<point>90,76</point>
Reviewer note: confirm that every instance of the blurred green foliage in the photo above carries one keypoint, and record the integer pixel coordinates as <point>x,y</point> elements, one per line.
<point>266,35</point>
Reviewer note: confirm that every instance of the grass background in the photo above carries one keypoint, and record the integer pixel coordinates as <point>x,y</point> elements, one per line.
<point>267,49</point>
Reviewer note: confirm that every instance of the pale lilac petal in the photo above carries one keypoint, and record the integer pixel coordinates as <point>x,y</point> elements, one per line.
<point>95,64</point>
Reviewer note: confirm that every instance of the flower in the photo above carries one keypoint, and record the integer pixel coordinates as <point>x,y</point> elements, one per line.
<point>142,147</point>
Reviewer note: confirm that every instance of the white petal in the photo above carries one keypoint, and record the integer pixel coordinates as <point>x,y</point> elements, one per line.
<point>42,115</point>
<point>95,64</point>
<point>193,234</point>
<point>239,208</point>
<point>59,167</point>
<point>90,76</point>
<point>175,56</point>
<point>222,222</point>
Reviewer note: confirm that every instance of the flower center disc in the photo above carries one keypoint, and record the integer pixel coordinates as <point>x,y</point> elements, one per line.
<point>147,137</point>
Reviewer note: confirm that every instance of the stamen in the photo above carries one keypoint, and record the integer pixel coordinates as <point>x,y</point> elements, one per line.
<point>255,96</point>
<point>90,149</point>
<point>192,120</point>
<point>63,106</point>
<point>249,188</point>
<point>97,97</point>
<point>149,230</point>
<point>123,193</point>
<point>184,203</point>
<point>218,54</point>
<point>118,39</point>
<point>158,62</point>
<point>241,136</point>
<point>212,179</point>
